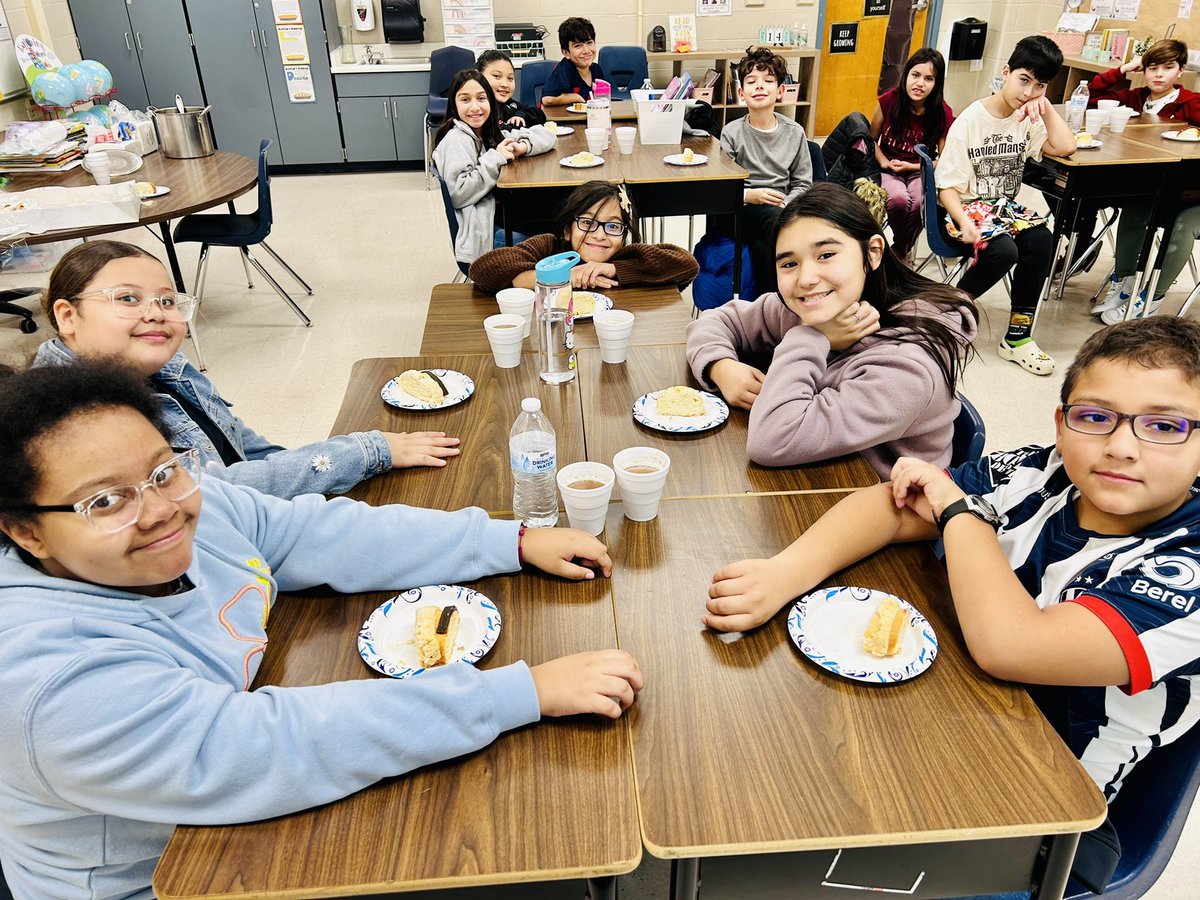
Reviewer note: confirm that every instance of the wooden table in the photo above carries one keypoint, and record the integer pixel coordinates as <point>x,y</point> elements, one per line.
<point>620,110</point>
<point>195,184</point>
<point>550,802</point>
<point>702,464</point>
<point>479,477</point>
<point>741,745</point>
<point>457,311</point>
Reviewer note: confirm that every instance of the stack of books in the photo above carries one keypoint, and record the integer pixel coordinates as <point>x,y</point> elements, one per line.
<point>60,157</point>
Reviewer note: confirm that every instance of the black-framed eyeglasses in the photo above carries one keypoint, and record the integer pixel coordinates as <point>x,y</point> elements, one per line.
<point>1154,428</point>
<point>114,509</point>
<point>587,225</point>
<point>128,304</point>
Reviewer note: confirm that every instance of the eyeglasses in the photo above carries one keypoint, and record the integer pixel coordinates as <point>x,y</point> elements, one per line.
<point>1154,428</point>
<point>127,304</point>
<point>115,508</point>
<point>587,225</point>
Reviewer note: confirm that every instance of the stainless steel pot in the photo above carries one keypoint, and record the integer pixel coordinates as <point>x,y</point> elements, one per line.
<point>186,133</point>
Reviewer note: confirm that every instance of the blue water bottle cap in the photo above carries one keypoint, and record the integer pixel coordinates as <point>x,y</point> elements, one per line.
<point>556,269</point>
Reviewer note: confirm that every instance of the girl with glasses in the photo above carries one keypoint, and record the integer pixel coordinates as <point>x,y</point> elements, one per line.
<point>598,222</point>
<point>133,631</point>
<point>110,299</point>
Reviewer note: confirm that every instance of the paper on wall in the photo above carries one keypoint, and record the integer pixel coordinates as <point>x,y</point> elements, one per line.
<point>287,12</point>
<point>300,84</point>
<point>293,47</point>
<point>714,8</point>
<point>1126,9</point>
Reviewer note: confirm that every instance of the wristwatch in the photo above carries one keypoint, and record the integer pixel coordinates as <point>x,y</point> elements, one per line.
<point>976,506</point>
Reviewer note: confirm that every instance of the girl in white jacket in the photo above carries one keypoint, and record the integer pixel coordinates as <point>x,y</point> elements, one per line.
<point>469,150</point>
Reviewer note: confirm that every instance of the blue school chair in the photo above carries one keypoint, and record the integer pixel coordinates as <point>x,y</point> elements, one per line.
<point>969,435</point>
<point>452,221</point>
<point>443,63</point>
<point>625,68</point>
<point>533,79</point>
<point>930,212</point>
<point>818,162</point>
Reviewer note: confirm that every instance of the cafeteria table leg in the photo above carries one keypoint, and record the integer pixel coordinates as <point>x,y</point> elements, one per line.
<point>602,888</point>
<point>685,878</point>
<point>1059,857</point>
<point>737,254</point>
<point>171,257</point>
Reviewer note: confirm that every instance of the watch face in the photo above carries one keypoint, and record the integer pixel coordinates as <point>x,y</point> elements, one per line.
<point>982,509</point>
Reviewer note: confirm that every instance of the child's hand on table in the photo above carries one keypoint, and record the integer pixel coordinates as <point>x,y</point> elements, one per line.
<point>508,149</point>
<point>601,681</point>
<point>594,275</point>
<point>923,488</point>
<point>554,549</point>
<point>851,325</point>
<point>738,383</point>
<point>745,594</point>
<point>764,197</point>
<point>420,448</point>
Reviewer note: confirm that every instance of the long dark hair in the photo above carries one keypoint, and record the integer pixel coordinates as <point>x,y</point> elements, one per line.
<point>589,195</point>
<point>934,118</point>
<point>891,283</point>
<point>489,135</point>
<point>79,266</point>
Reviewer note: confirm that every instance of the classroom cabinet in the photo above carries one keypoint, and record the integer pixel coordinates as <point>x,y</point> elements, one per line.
<point>382,115</point>
<point>246,82</point>
<point>145,44</point>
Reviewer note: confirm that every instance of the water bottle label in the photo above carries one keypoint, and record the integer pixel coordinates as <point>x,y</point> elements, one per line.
<point>571,363</point>
<point>539,462</point>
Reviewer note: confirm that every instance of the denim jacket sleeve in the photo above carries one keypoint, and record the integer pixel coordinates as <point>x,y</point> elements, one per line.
<point>331,466</point>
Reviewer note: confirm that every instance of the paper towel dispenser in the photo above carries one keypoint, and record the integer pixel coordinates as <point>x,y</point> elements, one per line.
<point>403,22</point>
<point>967,37</point>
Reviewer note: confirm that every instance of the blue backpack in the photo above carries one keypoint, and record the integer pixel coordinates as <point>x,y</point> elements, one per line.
<point>714,285</point>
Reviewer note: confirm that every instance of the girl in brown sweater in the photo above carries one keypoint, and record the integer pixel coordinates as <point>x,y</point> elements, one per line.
<point>597,222</point>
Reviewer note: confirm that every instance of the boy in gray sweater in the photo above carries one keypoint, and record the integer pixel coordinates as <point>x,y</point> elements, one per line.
<point>773,149</point>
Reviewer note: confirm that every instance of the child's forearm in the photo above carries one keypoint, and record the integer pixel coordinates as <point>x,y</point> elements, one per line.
<point>952,203</point>
<point>1058,134</point>
<point>561,100</point>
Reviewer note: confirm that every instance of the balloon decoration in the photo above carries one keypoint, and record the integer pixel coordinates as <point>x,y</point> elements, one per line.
<point>53,84</point>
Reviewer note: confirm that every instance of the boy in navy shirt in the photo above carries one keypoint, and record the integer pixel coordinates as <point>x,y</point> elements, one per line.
<point>1075,567</point>
<point>572,79</point>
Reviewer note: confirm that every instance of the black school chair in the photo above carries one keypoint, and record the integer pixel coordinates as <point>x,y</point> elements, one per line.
<point>930,213</point>
<point>533,80</point>
<point>625,68</point>
<point>27,325</point>
<point>969,435</point>
<point>452,221</point>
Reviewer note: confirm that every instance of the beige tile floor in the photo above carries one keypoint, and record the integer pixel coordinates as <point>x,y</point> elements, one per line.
<point>373,245</point>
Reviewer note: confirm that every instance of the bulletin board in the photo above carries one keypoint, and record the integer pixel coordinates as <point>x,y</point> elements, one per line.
<point>1154,18</point>
<point>12,81</point>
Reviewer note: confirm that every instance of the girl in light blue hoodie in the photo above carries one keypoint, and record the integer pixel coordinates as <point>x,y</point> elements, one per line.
<point>134,596</point>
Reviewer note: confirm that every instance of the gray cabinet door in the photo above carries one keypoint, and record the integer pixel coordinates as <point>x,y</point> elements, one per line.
<point>408,118</point>
<point>160,33</point>
<point>106,36</point>
<point>308,132</point>
<point>229,48</point>
<point>367,123</point>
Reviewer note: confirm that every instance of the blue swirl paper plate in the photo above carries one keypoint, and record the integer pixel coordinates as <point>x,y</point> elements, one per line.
<point>386,640</point>
<point>715,412</point>
<point>828,627</point>
<point>459,385</point>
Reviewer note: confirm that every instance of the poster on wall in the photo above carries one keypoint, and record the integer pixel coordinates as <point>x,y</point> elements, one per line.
<point>681,36</point>
<point>293,47</point>
<point>300,84</point>
<point>876,8</point>
<point>1102,9</point>
<point>1126,9</point>
<point>843,37</point>
<point>287,12</point>
<point>714,8</point>
<point>469,23</point>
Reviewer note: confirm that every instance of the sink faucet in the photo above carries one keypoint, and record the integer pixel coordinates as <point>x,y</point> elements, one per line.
<point>371,57</point>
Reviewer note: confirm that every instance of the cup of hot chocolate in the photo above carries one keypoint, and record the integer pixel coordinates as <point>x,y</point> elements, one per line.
<point>641,475</point>
<point>586,488</point>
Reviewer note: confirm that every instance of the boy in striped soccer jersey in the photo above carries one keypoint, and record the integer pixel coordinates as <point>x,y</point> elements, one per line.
<point>1074,567</point>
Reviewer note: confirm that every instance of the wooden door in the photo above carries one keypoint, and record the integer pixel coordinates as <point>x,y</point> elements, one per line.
<point>850,81</point>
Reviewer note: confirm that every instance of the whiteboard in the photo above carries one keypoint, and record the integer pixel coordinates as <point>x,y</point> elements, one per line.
<point>12,79</point>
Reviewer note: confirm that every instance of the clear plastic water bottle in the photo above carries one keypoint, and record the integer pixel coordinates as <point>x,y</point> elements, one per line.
<point>647,85</point>
<point>555,313</point>
<point>1077,107</point>
<point>802,37</point>
<point>531,453</point>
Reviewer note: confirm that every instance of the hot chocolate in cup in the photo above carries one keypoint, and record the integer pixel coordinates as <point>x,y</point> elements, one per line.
<point>586,488</point>
<point>641,475</point>
<point>504,336</point>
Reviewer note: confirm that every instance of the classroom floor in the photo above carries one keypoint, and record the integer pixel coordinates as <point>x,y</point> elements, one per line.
<point>373,245</point>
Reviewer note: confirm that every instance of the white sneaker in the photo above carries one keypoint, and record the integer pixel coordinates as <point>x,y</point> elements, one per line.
<point>1113,316</point>
<point>1028,356</point>
<point>1118,292</point>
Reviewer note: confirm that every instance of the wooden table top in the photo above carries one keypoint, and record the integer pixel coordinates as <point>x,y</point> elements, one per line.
<point>1151,136</point>
<point>742,745</point>
<point>457,311</point>
<point>195,184</point>
<point>547,170</point>
<point>465,822</point>
<point>620,110</point>
<point>480,476</point>
<point>1119,149</point>
<point>702,464</point>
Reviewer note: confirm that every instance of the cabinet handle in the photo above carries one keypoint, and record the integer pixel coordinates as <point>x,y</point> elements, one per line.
<point>128,46</point>
<point>253,39</point>
<point>395,114</point>
<point>138,37</point>
<point>385,109</point>
<point>264,37</point>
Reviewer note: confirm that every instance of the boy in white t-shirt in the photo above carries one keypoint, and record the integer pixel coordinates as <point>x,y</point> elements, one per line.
<point>984,158</point>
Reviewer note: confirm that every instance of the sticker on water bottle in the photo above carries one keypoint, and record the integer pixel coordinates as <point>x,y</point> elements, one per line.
<point>539,462</point>
<point>571,363</point>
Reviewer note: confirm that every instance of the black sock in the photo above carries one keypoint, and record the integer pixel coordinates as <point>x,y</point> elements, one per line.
<point>1020,328</point>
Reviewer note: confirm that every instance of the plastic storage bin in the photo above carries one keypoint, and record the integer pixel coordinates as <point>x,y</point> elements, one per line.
<point>659,121</point>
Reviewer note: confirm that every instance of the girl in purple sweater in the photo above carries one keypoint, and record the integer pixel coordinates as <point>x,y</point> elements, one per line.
<point>864,354</point>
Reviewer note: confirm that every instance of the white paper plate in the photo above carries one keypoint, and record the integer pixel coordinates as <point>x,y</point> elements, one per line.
<point>386,642</point>
<point>828,627</point>
<point>560,130</point>
<point>579,109</point>
<point>571,164</point>
<point>715,412</point>
<point>676,159</point>
<point>159,190</point>
<point>459,385</point>
<point>1174,136</point>
<point>120,162</point>
<point>603,301</point>
<point>1094,145</point>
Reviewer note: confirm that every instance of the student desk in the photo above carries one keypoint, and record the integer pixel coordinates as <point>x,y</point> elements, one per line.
<point>743,746</point>
<point>620,111</point>
<point>457,311</point>
<point>196,184</point>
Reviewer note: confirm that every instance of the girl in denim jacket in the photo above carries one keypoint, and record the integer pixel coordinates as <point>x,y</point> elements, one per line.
<point>108,298</point>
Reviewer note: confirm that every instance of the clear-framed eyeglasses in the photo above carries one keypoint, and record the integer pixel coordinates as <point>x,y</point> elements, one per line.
<point>587,225</point>
<point>1154,428</point>
<point>129,304</point>
<point>115,508</point>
